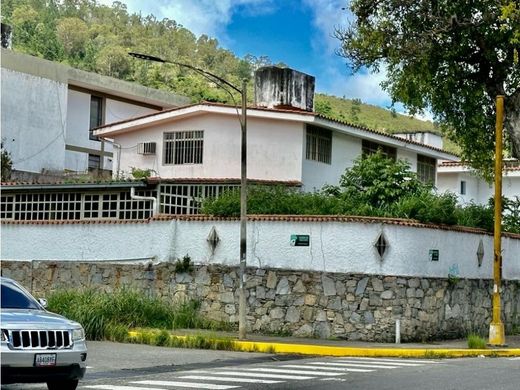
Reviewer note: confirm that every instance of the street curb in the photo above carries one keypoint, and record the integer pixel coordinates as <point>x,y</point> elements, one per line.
<point>322,350</point>
<point>325,350</point>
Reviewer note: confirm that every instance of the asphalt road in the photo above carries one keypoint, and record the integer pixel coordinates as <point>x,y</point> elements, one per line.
<point>137,367</point>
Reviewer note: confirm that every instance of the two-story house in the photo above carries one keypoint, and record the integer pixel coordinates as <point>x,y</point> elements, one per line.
<point>286,140</point>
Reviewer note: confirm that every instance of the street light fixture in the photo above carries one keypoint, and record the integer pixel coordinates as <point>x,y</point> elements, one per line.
<point>243,173</point>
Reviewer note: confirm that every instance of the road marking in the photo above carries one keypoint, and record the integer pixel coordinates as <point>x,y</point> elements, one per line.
<point>396,364</point>
<point>254,374</point>
<point>112,387</point>
<point>326,368</point>
<point>191,385</point>
<point>228,379</point>
<point>351,365</point>
<point>394,360</point>
<point>284,371</point>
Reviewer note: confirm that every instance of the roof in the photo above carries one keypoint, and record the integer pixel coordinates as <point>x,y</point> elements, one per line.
<point>39,67</point>
<point>459,166</point>
<point>104,185</point>
<point>272,218</point>
<point>133,124</point>
<point>200,180</point>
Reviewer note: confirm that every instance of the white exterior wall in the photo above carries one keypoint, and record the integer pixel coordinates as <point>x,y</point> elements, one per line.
<point>409,156</point>
<point>33,121</point>
<point>274,149</point>
<point>78,123</point>
<point>334,246</point>
<point>316,174</point>
<point>477,189</point>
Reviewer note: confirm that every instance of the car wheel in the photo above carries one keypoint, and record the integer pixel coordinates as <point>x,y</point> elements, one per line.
<point>63,385</point>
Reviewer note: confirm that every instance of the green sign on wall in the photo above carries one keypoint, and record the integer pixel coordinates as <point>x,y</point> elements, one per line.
<point>300,240</point>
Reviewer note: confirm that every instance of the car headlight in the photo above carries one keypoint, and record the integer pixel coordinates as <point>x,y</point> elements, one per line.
<point>78,334</point>
<point>5,336</point>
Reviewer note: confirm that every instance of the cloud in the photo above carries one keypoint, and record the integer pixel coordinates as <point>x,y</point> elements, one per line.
<point>329,15</point>
<point>209,17</point>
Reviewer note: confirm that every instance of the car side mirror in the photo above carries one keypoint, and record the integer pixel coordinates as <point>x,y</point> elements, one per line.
<point>42,302</point>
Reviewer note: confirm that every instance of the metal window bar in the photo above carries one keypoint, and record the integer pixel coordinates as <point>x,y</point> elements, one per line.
<point>183,147</point>
<point>75,206</point>
<point>187,198</point>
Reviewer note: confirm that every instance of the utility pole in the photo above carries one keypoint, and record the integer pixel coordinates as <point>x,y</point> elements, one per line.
<point>242,327</point>
<point>242,117</point>
<point>496,328</point>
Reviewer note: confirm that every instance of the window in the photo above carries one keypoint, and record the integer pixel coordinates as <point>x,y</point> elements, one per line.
<point>319,144</point>
<point>426,167</point>
<point>462,187</point>
<point>96,114</point>
<point>183,147</point>
<point>369,147</point>
<point>94,161</point>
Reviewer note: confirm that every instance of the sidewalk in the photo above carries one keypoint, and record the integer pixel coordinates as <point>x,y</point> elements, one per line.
<point>326,347</point>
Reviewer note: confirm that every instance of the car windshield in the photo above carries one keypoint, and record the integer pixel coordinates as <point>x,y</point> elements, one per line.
<point>13,298</point>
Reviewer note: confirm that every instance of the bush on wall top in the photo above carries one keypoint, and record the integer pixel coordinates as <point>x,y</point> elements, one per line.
<point>374,186</point>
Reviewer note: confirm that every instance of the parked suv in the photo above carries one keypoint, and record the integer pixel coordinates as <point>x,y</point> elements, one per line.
<point>37,345</point>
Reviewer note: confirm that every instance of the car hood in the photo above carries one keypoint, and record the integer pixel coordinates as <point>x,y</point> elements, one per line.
<point>34,319</point>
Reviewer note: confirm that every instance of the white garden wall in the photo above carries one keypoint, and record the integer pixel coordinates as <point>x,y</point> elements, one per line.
<point>335,246</point>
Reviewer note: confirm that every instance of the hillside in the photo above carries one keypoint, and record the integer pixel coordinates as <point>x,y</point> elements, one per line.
<point>97,38</point>
<point>377,118</point>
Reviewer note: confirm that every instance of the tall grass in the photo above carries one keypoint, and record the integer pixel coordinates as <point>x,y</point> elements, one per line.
<point>476,342</point>
<point>111,315</point>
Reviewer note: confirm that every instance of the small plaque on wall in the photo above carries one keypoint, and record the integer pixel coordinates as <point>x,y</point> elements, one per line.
<point>300,240</point>
<point>433,255</point>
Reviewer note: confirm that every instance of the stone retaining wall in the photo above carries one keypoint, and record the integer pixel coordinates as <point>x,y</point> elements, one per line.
<point>302,303</point>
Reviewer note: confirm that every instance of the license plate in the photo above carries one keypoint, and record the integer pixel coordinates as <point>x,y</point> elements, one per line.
<point>44,359</point>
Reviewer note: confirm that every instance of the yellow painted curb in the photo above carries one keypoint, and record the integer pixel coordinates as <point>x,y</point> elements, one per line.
<point>324,350</point>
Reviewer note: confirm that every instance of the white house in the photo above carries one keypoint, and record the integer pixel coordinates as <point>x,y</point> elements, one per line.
<point>286,141</point>
<point>455,177</point>
<point>49,109</point>
<point>203,141</point>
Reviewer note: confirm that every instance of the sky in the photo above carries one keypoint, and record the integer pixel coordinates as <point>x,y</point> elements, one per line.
<point>298,33</point>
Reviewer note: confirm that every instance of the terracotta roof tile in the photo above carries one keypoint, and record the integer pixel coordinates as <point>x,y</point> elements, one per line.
<point>509,165</point>
<point>273,218</point>
<point>230,180</point>
<point>279,110</point>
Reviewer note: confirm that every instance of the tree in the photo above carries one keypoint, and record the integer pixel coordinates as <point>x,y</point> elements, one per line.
<point>6,163</point>
<point>73,35</point>
<point>450,56</point>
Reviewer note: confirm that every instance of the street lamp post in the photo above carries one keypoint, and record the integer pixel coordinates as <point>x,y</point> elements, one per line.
<point>243,175</point>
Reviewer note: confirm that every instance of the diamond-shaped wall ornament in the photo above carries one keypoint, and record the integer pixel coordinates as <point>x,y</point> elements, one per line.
<point>381,245</point>
<point>213,239</point>
<point>480,252</point>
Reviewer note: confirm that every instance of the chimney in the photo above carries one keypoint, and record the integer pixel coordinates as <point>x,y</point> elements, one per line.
<point>284,88</point>
<point>6,36</point>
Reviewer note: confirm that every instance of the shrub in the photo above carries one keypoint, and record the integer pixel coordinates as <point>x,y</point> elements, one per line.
<point>379,181</point>
<point>184,265</point>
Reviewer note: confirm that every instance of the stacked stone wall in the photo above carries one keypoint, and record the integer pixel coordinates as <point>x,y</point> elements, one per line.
<point>301,303</point>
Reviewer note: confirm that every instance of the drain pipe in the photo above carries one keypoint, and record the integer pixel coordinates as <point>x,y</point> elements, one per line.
<point>133,196</point>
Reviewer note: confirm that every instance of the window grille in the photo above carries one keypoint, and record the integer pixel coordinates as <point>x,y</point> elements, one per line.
<point>319,144</point>
<point>369,147</point>
<point>75,206</point>
<point>183,147</point>
<point>426,168</point>
<point>187,198</point>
